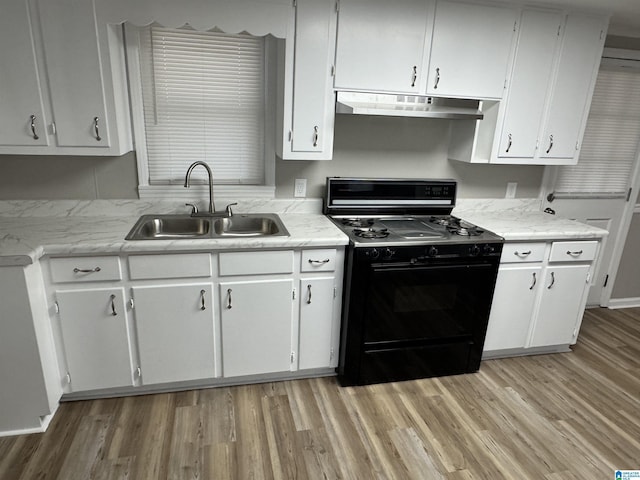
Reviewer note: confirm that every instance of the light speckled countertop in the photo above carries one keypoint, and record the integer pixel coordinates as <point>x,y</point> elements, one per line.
<point>40,229</point>
<point>32,229</point>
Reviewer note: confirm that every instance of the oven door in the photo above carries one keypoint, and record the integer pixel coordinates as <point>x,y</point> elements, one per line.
<point>412,305</point>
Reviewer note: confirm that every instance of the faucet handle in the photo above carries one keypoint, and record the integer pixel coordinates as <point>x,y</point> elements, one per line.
<point>194,208</point>
<point>229,211</point>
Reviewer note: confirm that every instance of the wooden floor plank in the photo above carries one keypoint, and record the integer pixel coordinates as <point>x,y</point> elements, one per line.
<point>548,417</point>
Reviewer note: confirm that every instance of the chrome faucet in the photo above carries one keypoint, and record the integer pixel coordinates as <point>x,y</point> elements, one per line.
<point>212,208</point>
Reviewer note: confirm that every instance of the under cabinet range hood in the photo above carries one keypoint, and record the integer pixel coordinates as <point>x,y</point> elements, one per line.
<point>393,105</point>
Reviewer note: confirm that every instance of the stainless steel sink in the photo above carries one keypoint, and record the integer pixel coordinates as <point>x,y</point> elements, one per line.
<point>171,227</point>
<point>248,226</point>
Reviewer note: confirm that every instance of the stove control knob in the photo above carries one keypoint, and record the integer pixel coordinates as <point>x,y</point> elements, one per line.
<point>432,252</point>
<point>488,249</point>
<point>373,253</point>
<point>474,250</point>
<point>388,253</point>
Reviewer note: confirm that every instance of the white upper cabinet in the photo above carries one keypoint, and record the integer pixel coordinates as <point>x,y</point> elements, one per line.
<point>22,117</point>
<point>310,101</point>
<point>382,46</point>
<point>63,83</point>
<point>571,96</point>
<point>538,42</point>
<point>470,50</point>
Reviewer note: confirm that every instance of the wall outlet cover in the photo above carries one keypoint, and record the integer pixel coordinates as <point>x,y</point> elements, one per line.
<point>300,187</point>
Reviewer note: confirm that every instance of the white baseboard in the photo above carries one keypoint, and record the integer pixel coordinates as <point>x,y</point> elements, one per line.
<point>616,303</point>
<point>45,420</point>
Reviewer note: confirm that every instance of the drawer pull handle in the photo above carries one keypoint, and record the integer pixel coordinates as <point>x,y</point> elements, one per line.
<point>534,281</point>
<point>96,128</point>
<point>229,305</point>
<point>550,143</point>
<point>86,270</point>
<point>553,280</point>
<point>574,254</point>
<point>202,304</point>
<point>319,262</point>
<point>509,144</point>
<point>437,78</point>
<point>414,77</point>
<point>113,305</point>
<point>315,136</point>
<point>309,294</point>
<point>522,254</point>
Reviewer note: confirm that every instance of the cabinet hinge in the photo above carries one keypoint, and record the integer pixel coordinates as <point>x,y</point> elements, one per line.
<point>606,280</point>
<point>138,372</point>
<point>132,304</point>
<point>588,277</point>
<point>337,5</point>
<point>559,29</point>
<point>537,144</point>
<point>335,291</point>
<point>56,306</point>
<point>68,378</point>
<point>629,193</point>
<point>293,356</point>
<point>331,353</point>
<point>54,131</point>
<point>601,34</point>
<point>295,3</point>
<point>290,135</point>
<point>333,70</point>
<point>293,294</point>
<point>515,25</point>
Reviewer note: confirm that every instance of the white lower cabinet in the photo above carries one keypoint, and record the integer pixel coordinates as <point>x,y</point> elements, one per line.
<point>539,297</point>
<point>316,320</point>
<point>513,303</point>
<point>96,338</point>
<point>560,306</point>
<point>256,326</point>
<point>174,326</point>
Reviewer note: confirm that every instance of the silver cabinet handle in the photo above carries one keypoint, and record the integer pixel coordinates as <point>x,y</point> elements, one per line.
<point>315,136</point>
<point>86,270</point>
<point>574,254</point>
<point>319,262</point>
<point>202,305</point>
<point>33,128</point>
<point>522,254</point>
<point>534,281</point>
<point>553,280</point>
<point>509,144</point>
<point>414,77</point>
<point>113,305</point>
<point>229,298</point>
<point>550,143</point>
<point>437,78</point>
<point>308,294</point>
<point>95,126</point>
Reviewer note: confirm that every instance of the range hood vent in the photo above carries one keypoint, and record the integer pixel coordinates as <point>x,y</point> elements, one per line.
<point>360,103</point>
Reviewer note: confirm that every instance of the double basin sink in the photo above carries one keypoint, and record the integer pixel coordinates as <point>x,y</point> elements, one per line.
<point>171,227</point>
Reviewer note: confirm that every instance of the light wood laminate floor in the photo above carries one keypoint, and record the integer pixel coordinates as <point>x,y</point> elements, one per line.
<point>551,417</point>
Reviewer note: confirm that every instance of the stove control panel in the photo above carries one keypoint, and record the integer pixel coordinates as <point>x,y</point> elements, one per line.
<point>422,254</point>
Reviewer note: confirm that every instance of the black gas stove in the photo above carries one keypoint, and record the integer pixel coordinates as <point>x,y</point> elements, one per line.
<point>418,281</point>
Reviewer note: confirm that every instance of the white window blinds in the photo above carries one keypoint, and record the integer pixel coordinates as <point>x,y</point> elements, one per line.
<point>204,99</point>
<point>611,139</point>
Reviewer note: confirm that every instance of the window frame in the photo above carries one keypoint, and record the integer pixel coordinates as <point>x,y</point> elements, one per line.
<point>199,191</point>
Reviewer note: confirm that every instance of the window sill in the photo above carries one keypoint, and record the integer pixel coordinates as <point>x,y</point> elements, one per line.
<point>201,192</point>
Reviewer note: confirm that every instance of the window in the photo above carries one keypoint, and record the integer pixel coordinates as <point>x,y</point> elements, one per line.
<point>200,96</point>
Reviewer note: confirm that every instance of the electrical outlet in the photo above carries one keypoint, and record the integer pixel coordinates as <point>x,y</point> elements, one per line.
<point>511,190</point>
<point>300,187</point>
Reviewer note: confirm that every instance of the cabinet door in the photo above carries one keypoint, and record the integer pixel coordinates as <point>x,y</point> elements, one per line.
<point>561,305</point>
<point>175,332</point>
<point>256,327</point>
<point>313,97</point>
<point>316,322</point>
<point>381,44</point>
<point>512,307</point>
<point>20,97</point>
<point>538,40</point>
<point>575,79</point>
<point>96,338</point>
<point>470,50</point>
<point>75,73</point>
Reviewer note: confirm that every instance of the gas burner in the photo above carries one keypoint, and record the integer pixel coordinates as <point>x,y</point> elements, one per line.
<point>371,232</point>
<point>358,222</point>
<point>466,230</point>
<point>444,221</point>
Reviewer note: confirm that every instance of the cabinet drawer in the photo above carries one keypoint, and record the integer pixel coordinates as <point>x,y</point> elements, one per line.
<point>184,265</point>
<point>321,260</point>
<point>573,251</point>
<point>522,252</point>
<point>251,263</point>
<point>85,269</point>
